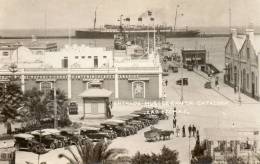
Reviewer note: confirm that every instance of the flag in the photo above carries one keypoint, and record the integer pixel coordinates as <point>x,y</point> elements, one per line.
<point>139,19</point>
<point>149,13</point>
<point>152,19</point>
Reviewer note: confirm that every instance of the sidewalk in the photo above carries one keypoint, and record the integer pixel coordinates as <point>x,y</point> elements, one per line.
<point>228,92</point>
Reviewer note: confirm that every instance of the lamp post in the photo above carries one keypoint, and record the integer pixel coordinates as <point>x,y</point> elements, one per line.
<point>181,79</point>
<point>55,105</point>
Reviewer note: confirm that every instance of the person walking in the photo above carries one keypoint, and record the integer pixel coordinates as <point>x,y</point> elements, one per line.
<point>198,135</point>
<point>193,130</point>
<point>177,131</point>
<point>174,112</point>
<point>174,123</point>
<point>183,131</point>
<point>166,83</point>
<point>189,129</point>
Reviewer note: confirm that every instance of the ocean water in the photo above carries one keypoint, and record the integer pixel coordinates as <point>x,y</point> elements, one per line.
<point>214,45</point>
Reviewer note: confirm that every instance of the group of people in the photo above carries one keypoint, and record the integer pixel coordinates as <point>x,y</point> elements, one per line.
<point>192,130</point>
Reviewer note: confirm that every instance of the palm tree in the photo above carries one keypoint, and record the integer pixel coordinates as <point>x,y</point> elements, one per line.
<point>35,106</point>
<point>90,153</point>
<point>10,102</point>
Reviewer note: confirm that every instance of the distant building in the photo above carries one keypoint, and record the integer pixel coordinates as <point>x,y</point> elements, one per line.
<point>242,62</point>
<point>129,74</point>
<point>194,57</point>
<point>227,143</point>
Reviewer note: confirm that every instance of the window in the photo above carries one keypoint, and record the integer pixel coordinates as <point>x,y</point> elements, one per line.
<point>5,53</point>
<point>89,57</point>
<point>76,57</point>
<point>247,80</point>
<point>104,57</point>
<point>248,53</point>
<point>82,57</point>
<point>45,86</point>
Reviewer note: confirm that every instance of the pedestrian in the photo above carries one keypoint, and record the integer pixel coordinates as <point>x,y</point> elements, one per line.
<point>193,130</point>
<point>166,82</point>
<point>189,129</point>
<point>198,135</point>
<point>174,112</point>
<point>177,131</point>
<point>183,131</point>
<point>235,89</point>
<point>173,123</point>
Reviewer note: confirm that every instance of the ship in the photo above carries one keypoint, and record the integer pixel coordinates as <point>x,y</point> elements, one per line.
<point>109,31</point>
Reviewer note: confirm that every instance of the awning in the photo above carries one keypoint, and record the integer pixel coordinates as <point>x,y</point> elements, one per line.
<point>95,92</point>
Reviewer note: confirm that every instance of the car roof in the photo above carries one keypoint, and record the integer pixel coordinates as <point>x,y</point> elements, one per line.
<point>24,135</point>
<point>52,131</point>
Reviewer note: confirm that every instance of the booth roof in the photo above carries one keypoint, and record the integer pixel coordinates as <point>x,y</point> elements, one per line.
<point>95,92</point>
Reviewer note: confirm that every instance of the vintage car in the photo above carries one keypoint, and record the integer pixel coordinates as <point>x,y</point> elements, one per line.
<point>94,134</point>
<point>185,81</point>
<point>106,130</point>
<point>27,142</point>
<point>46,139</point>
<point>158,134</point>
<point>73,136</point>
<point>208,85</point>
<point>55,133</point>
<point>117,127</point>
<point>190,67</point>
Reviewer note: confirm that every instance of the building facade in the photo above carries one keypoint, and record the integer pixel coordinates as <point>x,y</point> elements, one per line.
<point>74,69</point>
<point>242,62</point>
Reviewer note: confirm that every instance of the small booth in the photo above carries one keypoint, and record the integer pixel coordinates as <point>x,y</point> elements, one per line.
<point>96,103</point>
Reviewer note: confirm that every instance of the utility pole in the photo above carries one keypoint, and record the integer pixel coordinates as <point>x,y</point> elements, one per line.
<point>181,79</point>
<point>55,105</point>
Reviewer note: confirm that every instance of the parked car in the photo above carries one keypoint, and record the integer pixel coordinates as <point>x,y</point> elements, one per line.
<point>94,134</point>
<point>73,137</point>
<point>190,67</point>
<point>27,142</point>
<point>185,81</point>
<point>55,133</point>
<point>208,85</point>
<point>117,127</point>
<point>46,139</point>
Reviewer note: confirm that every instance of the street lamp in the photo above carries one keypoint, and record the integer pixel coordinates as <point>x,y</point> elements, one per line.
<point>181,79</point>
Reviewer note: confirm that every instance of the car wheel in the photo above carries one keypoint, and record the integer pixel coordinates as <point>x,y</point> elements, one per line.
<point>52,146</point>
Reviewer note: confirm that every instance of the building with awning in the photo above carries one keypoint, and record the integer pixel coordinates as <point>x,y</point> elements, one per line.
<point>95,102</point>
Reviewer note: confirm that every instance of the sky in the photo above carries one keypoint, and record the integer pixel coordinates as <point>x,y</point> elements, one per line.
<point>40,14</point>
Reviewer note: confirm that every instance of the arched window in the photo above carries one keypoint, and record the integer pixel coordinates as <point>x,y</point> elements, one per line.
<point>138,89</point>
<point>45,86</point>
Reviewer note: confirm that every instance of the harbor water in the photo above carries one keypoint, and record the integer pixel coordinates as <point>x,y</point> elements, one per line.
<point>214,45</point>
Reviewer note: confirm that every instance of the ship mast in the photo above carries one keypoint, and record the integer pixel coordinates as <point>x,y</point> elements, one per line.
<point>175,19</point>
<point>95,18</point>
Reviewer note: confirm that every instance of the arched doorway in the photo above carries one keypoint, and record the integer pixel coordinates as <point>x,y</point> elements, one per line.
<point>253,84</point>
<point>244,80</point>
<point>235,76</point>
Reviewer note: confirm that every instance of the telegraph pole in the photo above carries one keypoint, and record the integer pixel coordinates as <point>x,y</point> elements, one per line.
<point>181,79</point>
<point>55,105</point>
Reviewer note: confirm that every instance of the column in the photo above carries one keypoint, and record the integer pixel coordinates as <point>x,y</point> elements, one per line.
<point>69,85</point>
<point>116,83</point>
<point>160,82</point>
<point>23,81</point>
